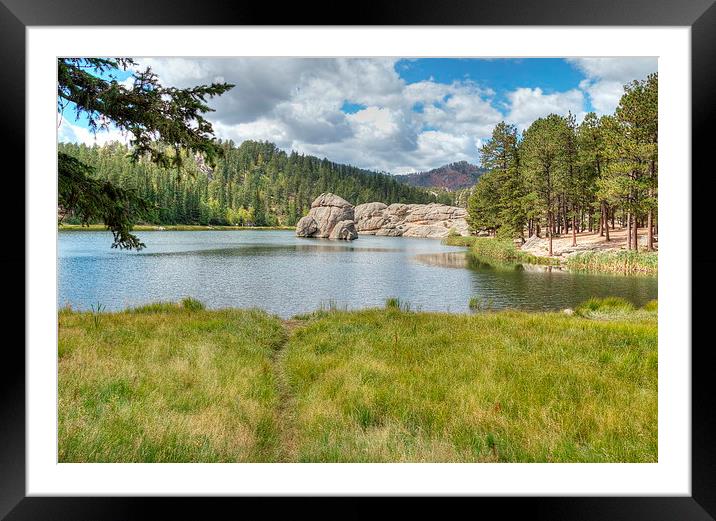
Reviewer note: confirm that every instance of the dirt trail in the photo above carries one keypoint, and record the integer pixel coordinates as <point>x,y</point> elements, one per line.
<point>285,411</point>
<point>586,241</point>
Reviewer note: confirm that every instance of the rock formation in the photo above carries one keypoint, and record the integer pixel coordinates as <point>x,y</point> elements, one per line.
<point>327,212</point>
<point>345,230</point>
<point>335,218</point>
<point>411,220</point>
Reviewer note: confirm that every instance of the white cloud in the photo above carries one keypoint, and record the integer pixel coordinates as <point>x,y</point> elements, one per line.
<point>259,130</point>
<point>297,103</point>
<point>374,123</point>
<point>620,69</point>
<point>527,105</point>
<point>606,77</point>
<point>67,132</point>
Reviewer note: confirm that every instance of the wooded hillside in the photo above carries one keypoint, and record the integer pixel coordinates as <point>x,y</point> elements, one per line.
<point>252,184</point>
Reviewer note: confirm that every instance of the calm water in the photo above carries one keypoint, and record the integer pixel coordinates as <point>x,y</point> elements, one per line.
<point>285,275</point>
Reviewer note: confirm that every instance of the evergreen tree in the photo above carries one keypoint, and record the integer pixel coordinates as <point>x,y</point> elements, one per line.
<point>559,173</point>
<point>542,148</point>
<point>161,121</point>
<point>253,184</point>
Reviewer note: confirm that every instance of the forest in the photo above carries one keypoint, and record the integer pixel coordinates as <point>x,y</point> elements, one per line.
<point>253,184</point>
<point>558,177</point>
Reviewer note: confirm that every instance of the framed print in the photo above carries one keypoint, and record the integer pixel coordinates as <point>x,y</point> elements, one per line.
<point>437,253</point>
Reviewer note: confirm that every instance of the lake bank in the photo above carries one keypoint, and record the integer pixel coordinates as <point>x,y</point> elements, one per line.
<point>177,383</point>
<point>172,227</point>
<point>592,255</point>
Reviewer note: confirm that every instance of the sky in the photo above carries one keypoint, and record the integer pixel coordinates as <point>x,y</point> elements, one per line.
<point>387,114</point>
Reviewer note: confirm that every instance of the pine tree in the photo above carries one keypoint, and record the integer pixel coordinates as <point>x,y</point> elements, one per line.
<point>160,120</point>
<point>542,148</point>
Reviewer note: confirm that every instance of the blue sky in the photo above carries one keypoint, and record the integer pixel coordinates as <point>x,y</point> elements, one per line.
<point>501,75</point>
<point>387,114</point>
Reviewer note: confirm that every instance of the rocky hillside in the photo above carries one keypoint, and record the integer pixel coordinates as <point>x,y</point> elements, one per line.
<point>454,176</point>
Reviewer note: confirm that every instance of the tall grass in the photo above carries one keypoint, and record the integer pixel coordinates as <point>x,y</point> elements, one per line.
<point>506,251</point>
<point>459,240</point>
<point>611,308</point>
<point>479,304</point>
<point>652,305</point>
<point>487,249</point>
<point>395,304</point>
<point>178,383</point>
<point>506,386</point>
<point>623,261</point>
<point>168,384</point>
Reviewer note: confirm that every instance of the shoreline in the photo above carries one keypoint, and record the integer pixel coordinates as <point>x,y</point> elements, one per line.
<point>612,261</point>
<point>174,228</point>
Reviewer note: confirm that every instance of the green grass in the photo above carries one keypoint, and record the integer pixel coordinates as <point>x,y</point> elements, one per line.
<point>503,386</point>
<point>173,382</point>
<point>616,308</point>
<point>652,305</point>
<point>459,240</point>
<point>504,254</point>
<point>395,304</point>
<point>168,383</point>
<point>479,304</point>
<point>173,227</point>
<point>625,262</point>
<point>489,249</point>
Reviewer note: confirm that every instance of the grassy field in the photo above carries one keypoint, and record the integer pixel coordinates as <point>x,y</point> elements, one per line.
<point>168,383</point>
<point>178,383</point>
<point>173,227</point>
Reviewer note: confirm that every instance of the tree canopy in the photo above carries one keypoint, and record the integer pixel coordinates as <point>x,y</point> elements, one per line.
<point>253,184</point>
<point>163,123</point>
<point>558,176</point>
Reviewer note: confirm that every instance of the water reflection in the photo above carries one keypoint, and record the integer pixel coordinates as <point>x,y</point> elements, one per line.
<point>458,259</point>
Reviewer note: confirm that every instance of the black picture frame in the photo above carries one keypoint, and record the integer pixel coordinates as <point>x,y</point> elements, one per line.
<point>700,15</point>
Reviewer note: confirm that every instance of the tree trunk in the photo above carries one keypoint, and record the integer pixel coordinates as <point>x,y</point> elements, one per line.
<point>606,221</point>
<point>650,221</point>
<point>635,231</point>
<point>551,231</point>
<point>602,220</point>
<point>574,230</point>
<point>628,231</point>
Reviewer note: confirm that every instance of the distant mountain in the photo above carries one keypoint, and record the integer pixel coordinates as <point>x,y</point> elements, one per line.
<point>454,176</point>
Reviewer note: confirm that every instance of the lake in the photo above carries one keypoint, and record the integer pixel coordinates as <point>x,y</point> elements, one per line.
<point>286,275</point>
